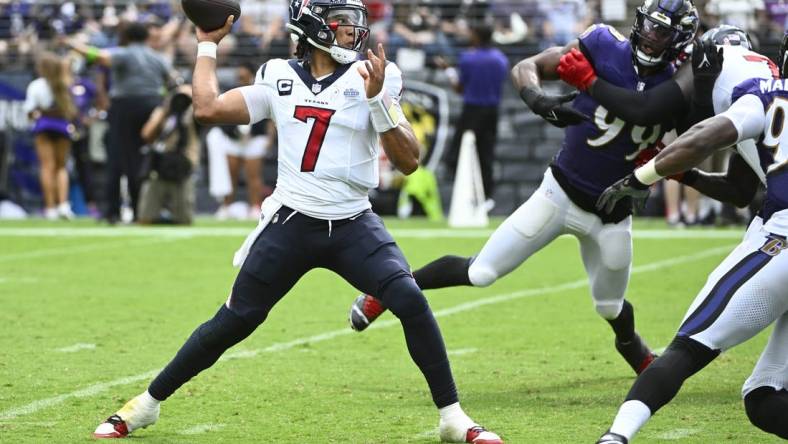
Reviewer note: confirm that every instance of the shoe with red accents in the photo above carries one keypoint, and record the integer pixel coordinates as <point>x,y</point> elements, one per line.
<point>636,353</point>
<point>453,431</point>
<point>132,416</point>
<point>364,311</point>
<point>478,435</point>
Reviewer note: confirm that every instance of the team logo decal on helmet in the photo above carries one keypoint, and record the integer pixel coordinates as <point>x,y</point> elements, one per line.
<point>662,29</point>
<point>317,23</point>
<point>727,35</point>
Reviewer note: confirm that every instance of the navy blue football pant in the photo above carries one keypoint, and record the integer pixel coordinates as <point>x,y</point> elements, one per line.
<point>360,250</point>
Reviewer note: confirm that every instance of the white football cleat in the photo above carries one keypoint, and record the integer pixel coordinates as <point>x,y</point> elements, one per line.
<point>132,416</point>
<point>476,434</point>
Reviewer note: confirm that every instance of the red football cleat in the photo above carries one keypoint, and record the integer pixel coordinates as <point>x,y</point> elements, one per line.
<point>364,311</point>
<point>113,427</point>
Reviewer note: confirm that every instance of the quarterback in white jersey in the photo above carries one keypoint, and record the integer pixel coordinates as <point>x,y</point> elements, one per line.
<point>746,292</point>
<point>332,113</point>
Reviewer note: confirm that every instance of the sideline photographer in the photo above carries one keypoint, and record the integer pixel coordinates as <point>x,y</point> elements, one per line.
<point>172,155</point>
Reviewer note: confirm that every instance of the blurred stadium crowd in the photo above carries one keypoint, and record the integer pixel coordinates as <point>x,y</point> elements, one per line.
<point>423,37</point>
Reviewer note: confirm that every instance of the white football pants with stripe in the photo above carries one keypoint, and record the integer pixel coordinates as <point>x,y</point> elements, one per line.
<point>745,294</point>
<point>606,249</point>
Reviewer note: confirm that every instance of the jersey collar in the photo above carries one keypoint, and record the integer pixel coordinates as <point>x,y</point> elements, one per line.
<point>314,85</point>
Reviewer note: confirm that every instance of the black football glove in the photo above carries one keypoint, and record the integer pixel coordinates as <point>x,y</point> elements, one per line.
<point>629,186</point>
<point>553,108</point>
<point>706,67</point>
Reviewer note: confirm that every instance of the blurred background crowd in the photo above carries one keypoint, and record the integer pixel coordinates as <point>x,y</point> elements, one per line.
<point>230,170</point>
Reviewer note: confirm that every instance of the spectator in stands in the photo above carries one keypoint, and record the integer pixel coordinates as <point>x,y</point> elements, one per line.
<point>50,105</point>
<point>479,76</point>
<point>746,14</point>
<point>418,26</point>
<point>138,76</point>
<point>564,21</point>
<point>174,154</point>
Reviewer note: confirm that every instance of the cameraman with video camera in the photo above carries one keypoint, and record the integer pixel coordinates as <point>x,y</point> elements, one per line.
<point>172,155</point>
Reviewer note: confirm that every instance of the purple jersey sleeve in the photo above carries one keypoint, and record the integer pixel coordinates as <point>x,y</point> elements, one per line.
<point>752,86</point>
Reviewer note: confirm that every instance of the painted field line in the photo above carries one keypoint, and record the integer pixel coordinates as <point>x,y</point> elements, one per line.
<point>95,389</point>
<point>201,428</point>
<point>676,434</point>
<point>74,249</point>
<point>404,233</point>
<point>76,347</point>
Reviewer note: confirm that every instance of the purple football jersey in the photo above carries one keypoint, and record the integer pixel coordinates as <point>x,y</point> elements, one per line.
<point>597,153</point>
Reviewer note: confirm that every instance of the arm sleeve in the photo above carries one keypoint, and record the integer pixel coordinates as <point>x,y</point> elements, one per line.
<point>748,116</point>
<point>258,98</point>
<point>649,107</point>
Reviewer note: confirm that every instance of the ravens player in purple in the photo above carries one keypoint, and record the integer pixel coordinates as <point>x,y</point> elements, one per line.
<point>746,292</point>
<point>599,148</point>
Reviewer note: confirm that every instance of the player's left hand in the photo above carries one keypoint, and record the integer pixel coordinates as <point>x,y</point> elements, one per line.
<point>374,71</point>
<point>707,61</point>
<point>629,186</point>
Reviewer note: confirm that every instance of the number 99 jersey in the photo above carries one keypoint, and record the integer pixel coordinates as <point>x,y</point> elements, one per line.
<point>328,148</point>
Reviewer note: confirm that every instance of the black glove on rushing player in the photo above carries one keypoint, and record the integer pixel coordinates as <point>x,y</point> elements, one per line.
<point>552,108</point>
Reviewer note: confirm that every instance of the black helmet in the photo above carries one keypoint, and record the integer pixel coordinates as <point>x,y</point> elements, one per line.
<point>727,35</point>
<point>315,22</point>
<point>666,26</point>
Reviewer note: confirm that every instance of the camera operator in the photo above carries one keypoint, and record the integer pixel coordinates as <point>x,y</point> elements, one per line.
<point>173,154</point>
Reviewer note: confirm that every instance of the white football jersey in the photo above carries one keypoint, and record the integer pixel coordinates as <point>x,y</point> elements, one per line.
<point>328,148</point>
<point>740,64</point>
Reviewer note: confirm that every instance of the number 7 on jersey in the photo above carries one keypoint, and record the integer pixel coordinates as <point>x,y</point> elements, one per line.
<point>322,117</point>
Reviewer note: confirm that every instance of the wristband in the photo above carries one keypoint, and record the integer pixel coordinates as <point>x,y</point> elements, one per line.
<point>647,174</point>
<point>384,112</point>
<point>207,49</point>
<point>91,54</point>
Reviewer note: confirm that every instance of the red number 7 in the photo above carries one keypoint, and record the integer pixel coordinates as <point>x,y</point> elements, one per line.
<point>322,117</point>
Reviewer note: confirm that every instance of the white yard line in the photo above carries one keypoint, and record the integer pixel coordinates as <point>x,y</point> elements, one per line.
<point>82,248</point>
<point>76,347</point>
<point>676,434</point>
<point>95,389</point>
<point>201,428</point>
<point>405,233</point>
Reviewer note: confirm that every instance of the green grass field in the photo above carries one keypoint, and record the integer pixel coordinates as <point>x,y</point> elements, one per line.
<point>90,313</point>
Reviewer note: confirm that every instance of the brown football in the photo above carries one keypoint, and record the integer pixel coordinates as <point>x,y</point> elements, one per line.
<point>209,15</point>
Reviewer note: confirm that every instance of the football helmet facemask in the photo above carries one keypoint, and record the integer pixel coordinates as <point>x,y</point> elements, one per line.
<point>661,30</point>
<point>338,27</point>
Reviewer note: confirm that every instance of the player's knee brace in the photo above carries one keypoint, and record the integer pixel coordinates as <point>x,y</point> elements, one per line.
<point>481,274</point>
<point>767,409</point>
<point>224,330</point>
<point>404,298</point>
<point>661,380</point>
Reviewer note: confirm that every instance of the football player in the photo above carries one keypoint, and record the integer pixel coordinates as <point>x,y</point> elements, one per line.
<point>746,292</point>
<point>332,113</point>
<point>685,94</point>
<point>596,152</point>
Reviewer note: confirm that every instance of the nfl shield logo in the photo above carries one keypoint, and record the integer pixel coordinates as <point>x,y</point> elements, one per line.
<point>316,88</point>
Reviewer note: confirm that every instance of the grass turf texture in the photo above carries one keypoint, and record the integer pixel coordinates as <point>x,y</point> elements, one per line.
<point>538,367</point>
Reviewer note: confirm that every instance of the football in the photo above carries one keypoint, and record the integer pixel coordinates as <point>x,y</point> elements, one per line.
<point>209,15</point>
